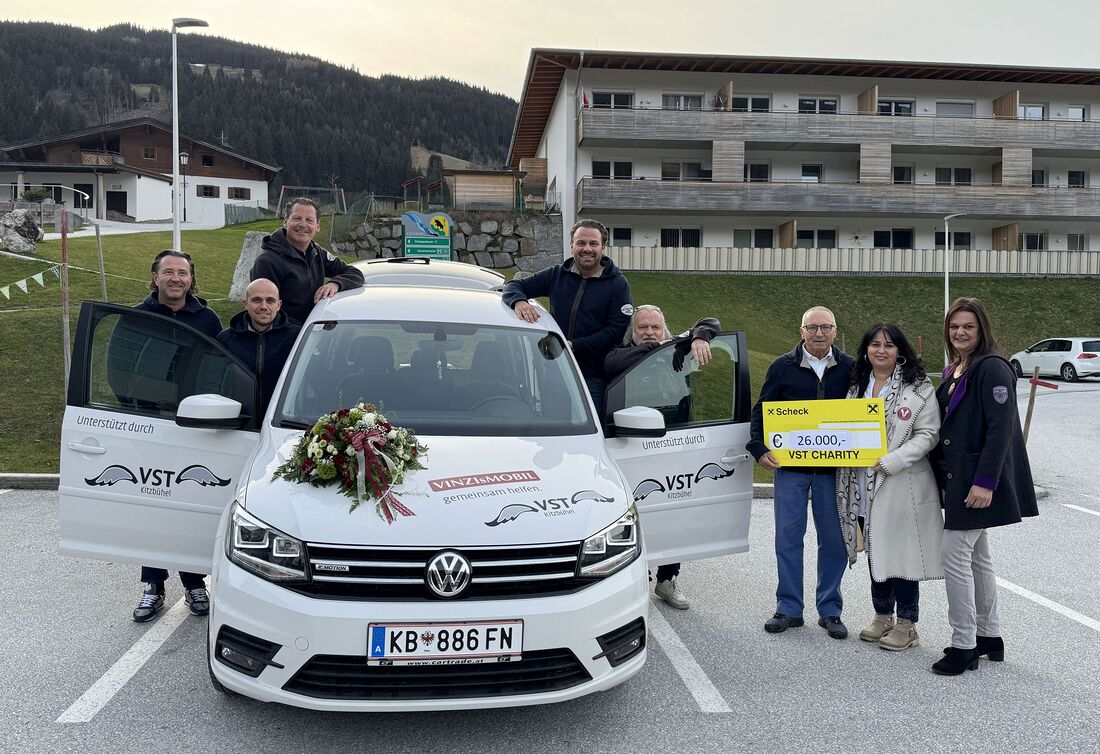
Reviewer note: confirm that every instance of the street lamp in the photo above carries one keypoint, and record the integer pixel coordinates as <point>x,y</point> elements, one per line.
<point>177,23</point>
<point>947,270</point>
<point>184,159</point>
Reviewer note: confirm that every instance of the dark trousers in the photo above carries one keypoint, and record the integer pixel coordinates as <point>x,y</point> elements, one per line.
<point>596,387</point>
<point>903,593</point>
<point>159,576</point>
<point>666,572</point>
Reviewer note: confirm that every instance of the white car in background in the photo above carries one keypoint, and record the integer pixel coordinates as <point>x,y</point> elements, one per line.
<point>1068,358</point>
<point>522,577</point>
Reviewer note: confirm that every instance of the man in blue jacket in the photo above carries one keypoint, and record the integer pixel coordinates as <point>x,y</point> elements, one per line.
<point>814,370</point>
<point>173,295</point>
<point>261,336</point>
<point>589,299</point>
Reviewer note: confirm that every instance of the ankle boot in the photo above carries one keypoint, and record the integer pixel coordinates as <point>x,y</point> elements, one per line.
<point>877,628</point>
<point>902,636</point>
<point>956,661</point>
<point>992,647</point>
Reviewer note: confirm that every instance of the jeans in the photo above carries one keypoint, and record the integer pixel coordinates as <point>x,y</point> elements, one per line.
<point>792,488</point>
<point>669,571</point>
<point>971,586</point>
<point>159,576</point>
<point>596,387</point>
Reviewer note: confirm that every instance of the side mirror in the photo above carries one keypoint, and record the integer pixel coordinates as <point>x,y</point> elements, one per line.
<point>638,421</point>
<point>209,411</point>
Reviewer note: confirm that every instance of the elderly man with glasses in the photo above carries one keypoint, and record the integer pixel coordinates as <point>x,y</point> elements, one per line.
<point>814,370</point>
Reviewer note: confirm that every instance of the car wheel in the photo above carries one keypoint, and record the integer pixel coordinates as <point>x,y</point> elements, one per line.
<point>1069,374</point>
<point>210,669</point>
<point>1019,370</point>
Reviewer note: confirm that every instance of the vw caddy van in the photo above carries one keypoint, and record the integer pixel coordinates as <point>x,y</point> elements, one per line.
<point>520,579</point>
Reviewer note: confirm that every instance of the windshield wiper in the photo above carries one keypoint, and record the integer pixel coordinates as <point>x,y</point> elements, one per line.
<point>291,424</point>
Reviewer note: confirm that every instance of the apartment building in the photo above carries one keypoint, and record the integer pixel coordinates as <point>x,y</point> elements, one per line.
<point>784,153</point>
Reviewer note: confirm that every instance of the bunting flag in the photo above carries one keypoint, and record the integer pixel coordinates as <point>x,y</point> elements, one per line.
<point>38,277</point>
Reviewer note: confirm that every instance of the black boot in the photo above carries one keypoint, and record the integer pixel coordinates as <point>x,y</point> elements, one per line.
<point>992,647</point>
<point>956,661</point>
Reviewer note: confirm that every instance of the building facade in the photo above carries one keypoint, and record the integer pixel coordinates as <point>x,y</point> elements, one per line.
<point>689,151</point>
<point>126,167</point>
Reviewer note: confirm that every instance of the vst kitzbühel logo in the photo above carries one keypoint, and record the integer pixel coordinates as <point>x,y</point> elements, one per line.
<point>549,507</point>
<point>155,481</point>
<point>679,485</point>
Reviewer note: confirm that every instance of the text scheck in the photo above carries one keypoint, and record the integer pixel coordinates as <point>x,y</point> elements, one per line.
<point>480,480</point>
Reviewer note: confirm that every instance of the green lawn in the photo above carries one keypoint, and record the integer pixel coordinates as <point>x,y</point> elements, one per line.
<point>768,308</point>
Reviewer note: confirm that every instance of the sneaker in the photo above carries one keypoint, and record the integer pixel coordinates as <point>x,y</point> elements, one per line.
<point>779,623</point>
<point>667,591</point>
<point>834,626</point>
<point>152,600</point>
<point>198,600</point>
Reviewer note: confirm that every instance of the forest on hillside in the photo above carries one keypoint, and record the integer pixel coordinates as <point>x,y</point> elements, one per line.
<point>320,122</point>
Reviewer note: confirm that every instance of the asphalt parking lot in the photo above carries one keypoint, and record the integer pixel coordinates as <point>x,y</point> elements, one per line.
<point>715,681</point>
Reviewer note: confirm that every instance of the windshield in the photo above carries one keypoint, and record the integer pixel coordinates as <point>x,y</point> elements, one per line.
<point>438,378</point>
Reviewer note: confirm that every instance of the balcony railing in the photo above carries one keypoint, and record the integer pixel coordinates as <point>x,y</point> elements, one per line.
<point>600,127</point>
<point>835,198</point>
<point>101,158</point>
<point>913,262</point>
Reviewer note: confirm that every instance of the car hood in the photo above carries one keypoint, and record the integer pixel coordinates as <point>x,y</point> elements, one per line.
<point>474,491</point>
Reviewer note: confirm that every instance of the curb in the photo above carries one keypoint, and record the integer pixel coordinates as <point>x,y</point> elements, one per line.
<point>29,481</point>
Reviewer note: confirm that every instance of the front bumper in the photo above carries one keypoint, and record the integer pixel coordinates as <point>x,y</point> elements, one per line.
<point>306,628</point>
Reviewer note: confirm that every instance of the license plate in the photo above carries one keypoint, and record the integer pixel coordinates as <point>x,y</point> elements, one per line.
<point>459,643</point>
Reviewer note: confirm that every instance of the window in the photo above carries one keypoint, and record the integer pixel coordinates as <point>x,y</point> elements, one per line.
<point>1032,112</point>
<point>813,173</point>
<point>682,171</point>
<point>1076,179</point>
<point>236,192</point>
<point>208,160</point>
<point>1076,112</point>
<point>953,176</point>
<point>208,192</point>
<point>955,109</point>
<point>753,238</point>
<point>818,105</point>
<point>682,101</point>
<point>613,100</point>
<point>681,237</point>
<point>960,239</point>
<point>895,107</point>
<point>751,104</point>
<point>610,169</point>
<point>149,153</point>
<point>824,238</point>
<point>58,194</point>
<point>895,238</point>
<point>757,172</point>
<point>1038,178</point>
<point>1033,241</point>
<point>79,201</point>
<point>621,236</point>
<point>903,174</point>
<point>1077,242</point>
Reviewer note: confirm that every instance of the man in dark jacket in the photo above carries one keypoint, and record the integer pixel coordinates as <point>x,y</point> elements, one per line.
<point>261,336</point>
<point>648,331</point>
<point>173,295</point>
<point>589,299</point>
<point>814,370</point>
<point>298,267</point>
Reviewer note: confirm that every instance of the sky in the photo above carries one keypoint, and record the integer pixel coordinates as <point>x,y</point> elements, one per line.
<point>488,42</point>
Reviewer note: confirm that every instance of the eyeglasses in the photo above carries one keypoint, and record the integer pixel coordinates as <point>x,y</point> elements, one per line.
<point>823,329</point>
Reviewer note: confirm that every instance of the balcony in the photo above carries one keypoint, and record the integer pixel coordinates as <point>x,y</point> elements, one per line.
<point>802,199</point>
<point>600,127</point>
<point>88,157</point>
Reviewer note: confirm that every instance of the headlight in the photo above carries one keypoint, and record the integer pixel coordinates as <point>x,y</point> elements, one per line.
<point>613,548</point>
<point>262,550</point>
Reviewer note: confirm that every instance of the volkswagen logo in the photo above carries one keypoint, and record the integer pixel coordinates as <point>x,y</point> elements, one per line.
<point>448,574</point>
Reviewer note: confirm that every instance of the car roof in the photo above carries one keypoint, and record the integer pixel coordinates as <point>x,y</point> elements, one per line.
<point>421,271</point>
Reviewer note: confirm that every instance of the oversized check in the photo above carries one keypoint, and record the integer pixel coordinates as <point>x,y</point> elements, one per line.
<point>844,432</point>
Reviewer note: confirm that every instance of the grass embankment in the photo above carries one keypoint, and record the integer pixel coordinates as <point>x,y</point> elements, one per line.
<point>767,308</point>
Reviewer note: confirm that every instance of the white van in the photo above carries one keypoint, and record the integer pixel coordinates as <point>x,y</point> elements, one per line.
<point>521,578</point>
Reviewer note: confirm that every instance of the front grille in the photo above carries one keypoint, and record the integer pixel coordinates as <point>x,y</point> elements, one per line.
<point>349,677</point>
<point>397,573</point>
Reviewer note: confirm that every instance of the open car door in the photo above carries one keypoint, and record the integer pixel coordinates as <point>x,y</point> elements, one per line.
<point>136,485</point>
<point>693,486</point>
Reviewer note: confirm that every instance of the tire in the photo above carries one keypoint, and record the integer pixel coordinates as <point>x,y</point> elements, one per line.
<point>1069,374</point>
<point>1019,370</point>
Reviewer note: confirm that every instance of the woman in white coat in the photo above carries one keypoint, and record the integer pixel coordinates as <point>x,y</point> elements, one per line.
<point>893,509</point>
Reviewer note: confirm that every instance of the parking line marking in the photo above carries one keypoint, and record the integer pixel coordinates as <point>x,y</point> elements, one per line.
<point>1079,508</point>
<point>697,682</point>
<point>4,492</point>
<point>111,682</point>
<point>1038,599</point>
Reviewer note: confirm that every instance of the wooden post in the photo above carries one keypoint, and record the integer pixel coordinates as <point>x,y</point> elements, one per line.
<point>1031,402</point>
<point>102,274</point>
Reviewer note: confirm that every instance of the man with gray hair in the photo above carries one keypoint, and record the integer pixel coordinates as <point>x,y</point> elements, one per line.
<point>648,331</point>
<point>814,370</point>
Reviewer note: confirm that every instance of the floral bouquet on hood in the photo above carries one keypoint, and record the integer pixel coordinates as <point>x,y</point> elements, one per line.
<point>357,449</point>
